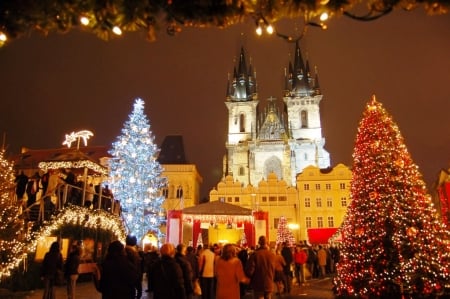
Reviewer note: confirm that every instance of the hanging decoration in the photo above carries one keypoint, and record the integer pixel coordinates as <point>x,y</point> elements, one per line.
<point>108,19</point>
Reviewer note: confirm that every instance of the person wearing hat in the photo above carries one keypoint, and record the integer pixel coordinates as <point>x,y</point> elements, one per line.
<point>261,270</point>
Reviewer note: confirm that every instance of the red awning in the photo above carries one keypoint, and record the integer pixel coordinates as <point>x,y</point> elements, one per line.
<point>320,235</point>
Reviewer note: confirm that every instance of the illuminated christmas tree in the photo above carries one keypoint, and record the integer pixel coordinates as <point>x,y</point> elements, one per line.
<point>283,233</point>
<point>11,247</point>
<point>135,175</point>
<point>393,246</point>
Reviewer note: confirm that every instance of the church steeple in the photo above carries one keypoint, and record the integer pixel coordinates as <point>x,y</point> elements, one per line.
<point>243,83</point>
<point>299,81</point>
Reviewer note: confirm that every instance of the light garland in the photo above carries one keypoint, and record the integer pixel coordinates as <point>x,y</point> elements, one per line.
<point>45,166</point>
<point>75,215</point>
<point>109,19</point>
<point>210,218</point>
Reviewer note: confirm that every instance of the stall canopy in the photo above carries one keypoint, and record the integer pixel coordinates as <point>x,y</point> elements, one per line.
<point>320,235</point>
<point>217,214</point>
<point>217,208</point>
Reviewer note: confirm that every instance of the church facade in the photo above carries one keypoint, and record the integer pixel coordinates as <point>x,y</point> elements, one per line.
<point>285,136</point>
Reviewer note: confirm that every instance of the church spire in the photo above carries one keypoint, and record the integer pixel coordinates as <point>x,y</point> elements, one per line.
<point>299,80</point>
<point>243,86</point>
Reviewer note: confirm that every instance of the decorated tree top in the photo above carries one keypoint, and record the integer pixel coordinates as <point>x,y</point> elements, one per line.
<point>392,242</point>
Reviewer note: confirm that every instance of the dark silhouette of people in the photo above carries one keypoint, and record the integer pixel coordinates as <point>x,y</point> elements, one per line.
<point>118,275</point>
<point>134,257</point>
<point>21,185</point>
<point>44,182</point>
<point>32,189</point>
<point>52,264</point>
<point>166,276</point>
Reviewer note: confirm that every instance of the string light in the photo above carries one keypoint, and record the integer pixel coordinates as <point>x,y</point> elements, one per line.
<point>84,20</point>
<point>19,19</point>
<point>116,30</point>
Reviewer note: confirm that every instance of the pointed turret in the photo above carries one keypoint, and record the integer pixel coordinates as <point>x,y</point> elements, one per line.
<point>243,87</point>
<point>299,79</point>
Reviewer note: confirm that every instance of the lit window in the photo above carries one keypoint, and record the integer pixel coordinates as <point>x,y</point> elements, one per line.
<point>308,222</point>
<point>342,186</point>
<point>343,201</point>
<point>319,202</point>
<point>305,186</point>
<point>307,202</point>
<point>179,192</point>
<point>330,221</point>
<point>317,186</point>
<point>328,186</point>
<point>320,221</point>
<point>329,202</point>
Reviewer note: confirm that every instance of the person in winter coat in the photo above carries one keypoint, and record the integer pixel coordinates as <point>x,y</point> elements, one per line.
<point>134,257</point>
<point>118,275</point>
<point>300,258</point>
<point>188,273</point>
<point>322,257</point>
<point>166,277</point>
<point>261,270</point>
<point>229,273</point>
<point>71,271</point>
<point>52,264</point>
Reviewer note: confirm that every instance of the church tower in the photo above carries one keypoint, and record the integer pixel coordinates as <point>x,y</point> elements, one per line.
<point>284,137</point>
<point>302,97</point>
<point>242,102</point>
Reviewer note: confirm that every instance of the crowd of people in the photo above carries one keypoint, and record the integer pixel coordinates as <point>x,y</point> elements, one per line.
<point>184,272</point>
<point>209,271</point>
<point>56,188</point>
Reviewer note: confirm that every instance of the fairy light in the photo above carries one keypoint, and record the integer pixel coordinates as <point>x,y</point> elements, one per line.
<point>84,20</point>
<point>116,30</point>
<point>95,219</point>
<point>45,166</point>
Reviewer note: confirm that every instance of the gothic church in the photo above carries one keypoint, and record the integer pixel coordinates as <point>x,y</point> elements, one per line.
<point>285,136</point>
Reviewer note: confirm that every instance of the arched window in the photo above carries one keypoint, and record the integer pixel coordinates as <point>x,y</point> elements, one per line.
<point>165,192</point>
<point>179,192</point>
<point>242,123</point>
<point>304,118</point>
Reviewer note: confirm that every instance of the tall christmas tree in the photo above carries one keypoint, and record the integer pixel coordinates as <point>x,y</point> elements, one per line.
<point>393,246</point>
<point>11,247</point>
<point>283,233</point>
<point>135,175</point>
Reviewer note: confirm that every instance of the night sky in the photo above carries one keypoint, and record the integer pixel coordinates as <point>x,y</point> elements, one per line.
<point>57,84</point>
